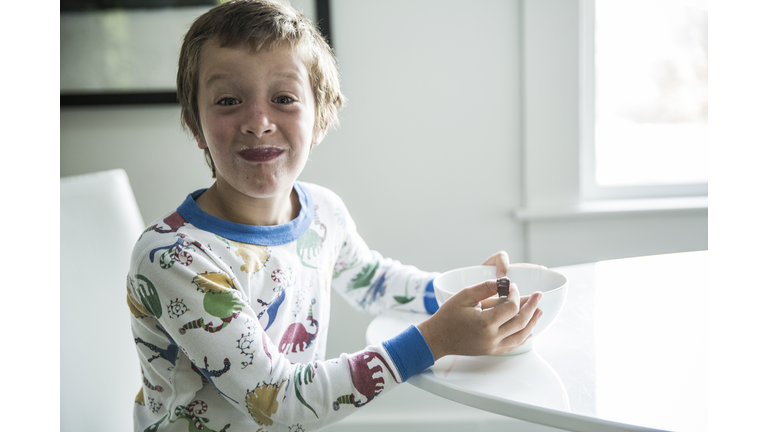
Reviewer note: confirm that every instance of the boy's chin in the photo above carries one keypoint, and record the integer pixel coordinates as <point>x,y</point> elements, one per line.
<point>267,190</point>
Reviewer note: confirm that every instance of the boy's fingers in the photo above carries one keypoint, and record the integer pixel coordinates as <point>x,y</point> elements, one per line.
<point>514,295</point>
<point>491,302</point>
<point>501,310</point>
<point>516,339</point>
<point>523,300</point>
<point>521,320</point>
<point>505,308</point>
<point>477,293</point>
<point>501,261</point>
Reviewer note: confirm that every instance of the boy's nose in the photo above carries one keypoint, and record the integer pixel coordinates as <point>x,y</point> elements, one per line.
<point>257,122</point>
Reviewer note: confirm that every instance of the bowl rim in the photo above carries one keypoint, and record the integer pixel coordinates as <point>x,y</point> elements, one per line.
<point>561,287</point>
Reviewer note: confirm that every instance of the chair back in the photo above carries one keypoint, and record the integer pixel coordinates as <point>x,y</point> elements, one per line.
<point>100,375</point>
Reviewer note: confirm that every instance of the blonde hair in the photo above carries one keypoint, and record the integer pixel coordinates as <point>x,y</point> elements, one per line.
<point>258,24</point>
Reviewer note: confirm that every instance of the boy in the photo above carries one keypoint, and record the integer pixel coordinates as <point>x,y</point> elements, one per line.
<point>230,293</point>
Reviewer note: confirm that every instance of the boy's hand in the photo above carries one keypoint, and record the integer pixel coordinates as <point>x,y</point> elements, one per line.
<point>464,326</point>
<point>493,301</point>
<point>501,261</point>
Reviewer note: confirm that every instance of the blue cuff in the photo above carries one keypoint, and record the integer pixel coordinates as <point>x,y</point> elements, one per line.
<point>430,303</point>
<point>410,352</point>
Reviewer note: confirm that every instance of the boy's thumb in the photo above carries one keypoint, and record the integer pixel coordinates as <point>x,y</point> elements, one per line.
<point>481,291</point>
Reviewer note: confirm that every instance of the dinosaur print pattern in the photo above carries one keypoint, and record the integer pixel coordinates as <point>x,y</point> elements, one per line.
<point>231,334</point>
<point>262,402</point>
<point>272,308</point>
<point>219,301</point>
<point>363,379</point>
<point>174,221</point>
<point>404,299</point>
<point>213,282</point>
<point>155,426</point>
<point>254,257</point>
<point>136,307</point>
<point>362,373</point>
<point>245,343</point>
<point>310,244</point>
<point>177,252</point>
<point>308,247</point>
<point>307,372</point>
<point>176,308</point>
<point>297,336</point>
<point>208,374</point>
<point>348,400</point>
<point>375,286</point>
<point>149,385</point>
<point>140,397</point>
<point>171,254</point>
<point>364,278</point>
<point>374,291</point>
<point>153,406</point>
<point>169,354</point>
<point>149,297</point>
<point>207,326</point>
<point>341,266</point>
<point>192,413</point>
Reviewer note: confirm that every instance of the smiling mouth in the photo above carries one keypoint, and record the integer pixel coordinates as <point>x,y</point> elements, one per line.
<point>264,154</point>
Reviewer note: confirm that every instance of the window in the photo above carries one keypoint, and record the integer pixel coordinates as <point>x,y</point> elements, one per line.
<point>644,98</point>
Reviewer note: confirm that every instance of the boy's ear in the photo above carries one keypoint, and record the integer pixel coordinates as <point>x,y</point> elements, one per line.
<point>319,133</point>
<point>195,133</point>
<point>317,136</point>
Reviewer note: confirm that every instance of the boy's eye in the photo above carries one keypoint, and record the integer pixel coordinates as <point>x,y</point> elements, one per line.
<point>283,99</point>
<point>228,102</point>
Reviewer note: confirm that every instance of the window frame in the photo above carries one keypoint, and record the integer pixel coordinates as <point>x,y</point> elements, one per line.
<point>588,187</point>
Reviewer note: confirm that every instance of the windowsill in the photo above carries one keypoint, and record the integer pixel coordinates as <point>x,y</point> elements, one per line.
<point>613,207</point>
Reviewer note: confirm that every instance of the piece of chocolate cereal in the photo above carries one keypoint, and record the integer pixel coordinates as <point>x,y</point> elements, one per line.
<point>502,286</point>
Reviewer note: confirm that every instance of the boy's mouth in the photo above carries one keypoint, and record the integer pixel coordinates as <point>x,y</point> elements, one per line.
<point>263,154</point>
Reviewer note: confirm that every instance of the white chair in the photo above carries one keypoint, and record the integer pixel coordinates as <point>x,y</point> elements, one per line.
<point>100,375</point>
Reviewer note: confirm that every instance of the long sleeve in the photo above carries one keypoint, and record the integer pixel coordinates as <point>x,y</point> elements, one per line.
<point>231,333</point>
<point>371,282</point>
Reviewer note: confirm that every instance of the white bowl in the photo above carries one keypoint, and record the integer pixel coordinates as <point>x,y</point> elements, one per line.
<point>528,278</point>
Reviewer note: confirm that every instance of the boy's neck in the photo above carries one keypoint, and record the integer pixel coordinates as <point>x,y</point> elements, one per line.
<point>238,208</point>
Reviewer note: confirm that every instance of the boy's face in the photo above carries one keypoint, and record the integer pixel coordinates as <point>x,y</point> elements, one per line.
<point>257,115</point>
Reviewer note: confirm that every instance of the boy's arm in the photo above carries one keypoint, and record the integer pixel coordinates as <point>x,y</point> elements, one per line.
<point>201,311</point>
<point>371,282</point>
<point>473,322</point>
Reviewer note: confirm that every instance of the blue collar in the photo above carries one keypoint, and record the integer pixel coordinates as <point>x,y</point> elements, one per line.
<point>253,234</point>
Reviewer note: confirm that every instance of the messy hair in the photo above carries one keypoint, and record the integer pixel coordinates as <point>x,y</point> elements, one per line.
<point>258,24</point>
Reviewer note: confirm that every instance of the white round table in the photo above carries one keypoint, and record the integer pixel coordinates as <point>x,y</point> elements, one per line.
<point>628,352</point>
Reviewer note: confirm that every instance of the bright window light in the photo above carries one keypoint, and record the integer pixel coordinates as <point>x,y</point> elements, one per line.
<point>650,92</point>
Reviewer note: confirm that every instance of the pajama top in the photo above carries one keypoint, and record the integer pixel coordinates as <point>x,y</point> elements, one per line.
<point>230,321</point>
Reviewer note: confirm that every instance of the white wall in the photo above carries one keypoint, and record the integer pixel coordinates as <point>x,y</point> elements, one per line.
<point>429,159</point>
